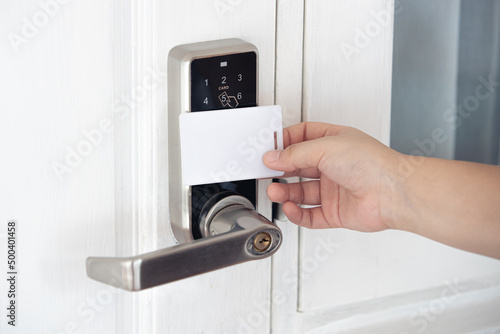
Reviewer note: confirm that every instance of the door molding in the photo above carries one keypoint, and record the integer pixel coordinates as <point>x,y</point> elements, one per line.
<point>136,193</point>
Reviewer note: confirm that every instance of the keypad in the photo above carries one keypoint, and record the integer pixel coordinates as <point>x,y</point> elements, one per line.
<point>222,82</point>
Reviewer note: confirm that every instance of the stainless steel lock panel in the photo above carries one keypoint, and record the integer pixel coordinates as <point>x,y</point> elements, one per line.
<point>201,77</point>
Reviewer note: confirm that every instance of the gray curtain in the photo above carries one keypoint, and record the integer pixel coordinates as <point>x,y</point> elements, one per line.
<point>477,138</point>
<point>443,51</point>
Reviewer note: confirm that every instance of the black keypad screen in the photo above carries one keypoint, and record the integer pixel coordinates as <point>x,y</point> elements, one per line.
<point>224,82</point>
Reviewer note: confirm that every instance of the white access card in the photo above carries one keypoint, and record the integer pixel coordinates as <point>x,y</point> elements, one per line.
<point>228,144</point>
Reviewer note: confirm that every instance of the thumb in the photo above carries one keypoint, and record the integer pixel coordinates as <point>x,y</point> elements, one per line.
<point>297,156</point>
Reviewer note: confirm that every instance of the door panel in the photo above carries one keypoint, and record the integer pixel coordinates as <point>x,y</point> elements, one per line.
<point>102,67</point>
<point>231,300</point>
<point>348,87</point>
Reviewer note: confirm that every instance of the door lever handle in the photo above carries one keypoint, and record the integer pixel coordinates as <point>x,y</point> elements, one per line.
<point>233,232</point>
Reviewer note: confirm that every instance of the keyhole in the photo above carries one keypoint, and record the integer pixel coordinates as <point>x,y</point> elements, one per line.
<point>262,242</point>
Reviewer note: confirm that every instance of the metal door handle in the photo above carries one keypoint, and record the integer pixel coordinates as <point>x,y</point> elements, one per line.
<point>232,233</point>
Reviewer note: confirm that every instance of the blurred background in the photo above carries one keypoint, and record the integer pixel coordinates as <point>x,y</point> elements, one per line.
<point>446,53</point>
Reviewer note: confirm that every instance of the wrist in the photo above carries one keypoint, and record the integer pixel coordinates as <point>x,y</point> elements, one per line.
<point>398,202</point>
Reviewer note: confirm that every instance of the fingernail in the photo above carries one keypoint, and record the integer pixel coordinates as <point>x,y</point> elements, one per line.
<point>272,156</point>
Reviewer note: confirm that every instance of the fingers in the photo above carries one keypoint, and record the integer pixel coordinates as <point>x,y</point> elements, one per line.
<point>308,131</point>
<point>310,218</point>
<point>311,173</point>
<point>304,155</point>
<point>299,193</point>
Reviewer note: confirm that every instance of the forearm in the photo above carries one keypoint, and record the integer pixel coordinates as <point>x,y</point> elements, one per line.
<point>453,202</point>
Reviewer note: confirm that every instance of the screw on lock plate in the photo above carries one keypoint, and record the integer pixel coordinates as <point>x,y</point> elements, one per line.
<point>262,242</point>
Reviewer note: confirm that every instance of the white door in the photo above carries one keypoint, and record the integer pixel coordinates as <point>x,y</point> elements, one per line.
<point>84,140</point>
<point>84,133</point>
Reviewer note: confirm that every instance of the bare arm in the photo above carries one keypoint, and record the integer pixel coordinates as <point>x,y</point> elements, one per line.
<point>453,202</point>
<point>363,185</point>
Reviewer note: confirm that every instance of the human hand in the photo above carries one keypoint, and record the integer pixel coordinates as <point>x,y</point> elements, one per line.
<point>353,173</point>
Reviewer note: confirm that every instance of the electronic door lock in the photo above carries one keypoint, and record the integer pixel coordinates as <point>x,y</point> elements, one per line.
<point>216,224</point>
